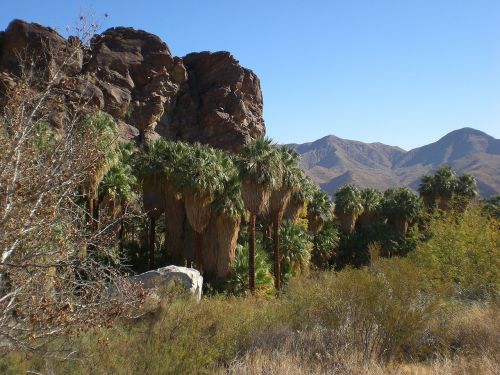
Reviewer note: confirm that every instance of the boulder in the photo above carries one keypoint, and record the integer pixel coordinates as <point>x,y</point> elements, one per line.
<point>170,276</point>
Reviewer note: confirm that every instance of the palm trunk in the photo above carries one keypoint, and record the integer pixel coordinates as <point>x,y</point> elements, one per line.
<point>348,222</point>
<point>174,229</point>
<point>152,236</point>
<point>197,252</point>
<point>401,227</point>
<point>444,203</point>
<point>251,254</point>
<point>277,256</point>
<point>366,219</point>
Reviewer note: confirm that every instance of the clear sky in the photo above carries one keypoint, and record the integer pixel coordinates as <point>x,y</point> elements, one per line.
<point>402,72</point>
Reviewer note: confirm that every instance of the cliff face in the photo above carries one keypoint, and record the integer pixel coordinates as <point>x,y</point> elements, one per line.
<point>132,75</point>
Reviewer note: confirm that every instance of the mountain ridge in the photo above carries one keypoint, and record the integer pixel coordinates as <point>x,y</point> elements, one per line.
<point>332,161</point>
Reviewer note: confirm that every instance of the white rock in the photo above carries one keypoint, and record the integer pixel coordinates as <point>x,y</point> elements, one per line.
<point>188,278</point>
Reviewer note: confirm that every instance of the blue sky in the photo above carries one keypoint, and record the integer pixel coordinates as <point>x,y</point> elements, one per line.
<point>400,72</point>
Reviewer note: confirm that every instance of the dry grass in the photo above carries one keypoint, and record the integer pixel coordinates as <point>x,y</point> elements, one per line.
<point>282,363</point>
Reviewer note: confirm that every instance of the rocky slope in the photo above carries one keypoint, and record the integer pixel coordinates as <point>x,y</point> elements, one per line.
<point>132,75</point>
<point>333,162</point>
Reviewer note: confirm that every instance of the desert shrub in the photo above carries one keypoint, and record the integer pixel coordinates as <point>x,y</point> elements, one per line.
<point>459,329</point>
<point>463,253</point>
<point>187,338</point>
<point>379,309</point>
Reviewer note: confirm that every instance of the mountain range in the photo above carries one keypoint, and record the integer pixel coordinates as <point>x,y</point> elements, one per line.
<point>332,162</point>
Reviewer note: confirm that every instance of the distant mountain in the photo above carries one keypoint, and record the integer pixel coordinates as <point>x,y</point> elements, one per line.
<point>332,162</point>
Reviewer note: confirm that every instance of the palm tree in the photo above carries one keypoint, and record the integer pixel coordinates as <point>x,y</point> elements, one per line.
<point>204,173</point>
<point>372,204</point>
<point>466,190</point>
<point>228,208</point>
<point>148,166</point>
<point>118,187</point>
<point>427,190</point>
<point>172,154</point>
<point>103,129</point>
<point>445,184</point>
<point>401,206</point>
<point>348,206</point>
<point>280,197</point>
<point>259,173</point>
<point>319,209</point>
<point>300,196</point>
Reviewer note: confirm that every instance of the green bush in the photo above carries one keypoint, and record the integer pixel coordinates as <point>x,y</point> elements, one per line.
<point>324,246</point>
<point>295,246</point>
<point>263,278</point>
<point>462,253</point>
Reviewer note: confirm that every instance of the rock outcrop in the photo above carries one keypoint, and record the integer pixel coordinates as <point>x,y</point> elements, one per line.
<point>220,104</point>
<point>132,75</point>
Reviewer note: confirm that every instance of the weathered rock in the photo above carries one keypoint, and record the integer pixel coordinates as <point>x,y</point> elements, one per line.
<point>220,104</point>
<point>43,44</point>
<point>137,74</point>
<point>171,276</point>
<point>131,74</point>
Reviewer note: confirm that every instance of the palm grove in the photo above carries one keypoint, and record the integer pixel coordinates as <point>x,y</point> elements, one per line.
<point>220,212</point>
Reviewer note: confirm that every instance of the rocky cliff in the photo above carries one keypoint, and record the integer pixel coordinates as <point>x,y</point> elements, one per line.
<point>132,75</point>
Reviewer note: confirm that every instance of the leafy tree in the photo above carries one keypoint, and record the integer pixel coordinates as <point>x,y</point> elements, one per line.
<point>445,184</point>
<point>348,206</point>
<point>107,143</point>
<point>401,206</point>
<point>462,253</point>
<point>118,187</point>
<point>260,174</point>
<point>157,168</point>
